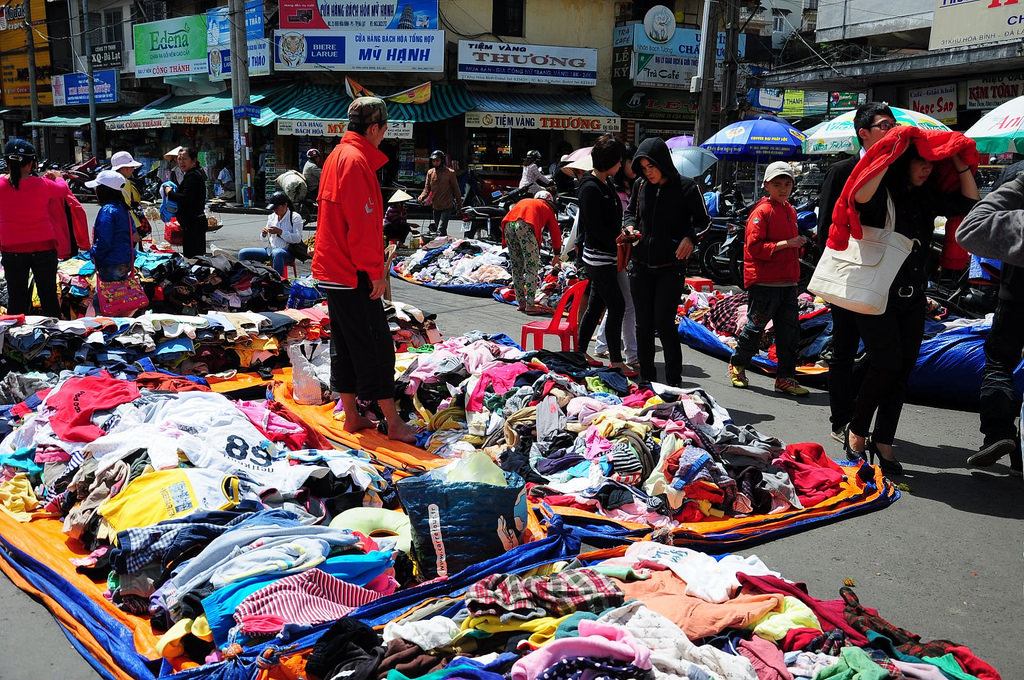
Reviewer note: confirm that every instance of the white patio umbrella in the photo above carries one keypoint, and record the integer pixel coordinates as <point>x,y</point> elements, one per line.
<point>838,136</point>
<point>1001,129</point>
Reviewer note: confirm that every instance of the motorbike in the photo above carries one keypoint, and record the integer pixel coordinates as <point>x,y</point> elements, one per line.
<point>484,222</point>
<point>77,174</point>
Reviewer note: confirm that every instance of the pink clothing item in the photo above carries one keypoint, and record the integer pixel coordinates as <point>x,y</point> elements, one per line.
<point>51,454</point>
<point>498,375</point>
<point>599,640</point>
<point>309,598</point>
<point>262,624</point>
<point>919,671</point>
<point>596,444</point>
<point>25,216</point>
<point>580,408</point>
<point>638,398</point>
<point>60,211</point>
<point>766,659</point>
<point>274,426</point>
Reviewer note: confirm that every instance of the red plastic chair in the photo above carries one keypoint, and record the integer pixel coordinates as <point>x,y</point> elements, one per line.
<point>565,327</point>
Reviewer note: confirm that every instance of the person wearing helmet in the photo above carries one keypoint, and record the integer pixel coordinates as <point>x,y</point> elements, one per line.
<point>441,193</point>
<point>28,244</point>
<point>532,175</point>
<point>521,234</point>
<point>311,172</point>
<point>284,227</point>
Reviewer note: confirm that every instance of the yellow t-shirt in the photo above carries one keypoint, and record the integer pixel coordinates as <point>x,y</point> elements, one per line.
<point>169,494</point>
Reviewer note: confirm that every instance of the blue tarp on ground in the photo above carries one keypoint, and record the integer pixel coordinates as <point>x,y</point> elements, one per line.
<point>474,289</point>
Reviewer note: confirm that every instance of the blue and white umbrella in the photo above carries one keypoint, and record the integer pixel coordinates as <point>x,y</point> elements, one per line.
<point>756,140</point>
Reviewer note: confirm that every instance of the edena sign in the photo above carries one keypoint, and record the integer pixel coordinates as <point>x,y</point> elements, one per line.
<point>171,47</point>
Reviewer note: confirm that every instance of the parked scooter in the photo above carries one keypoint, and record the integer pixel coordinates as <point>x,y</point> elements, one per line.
<point>484,222</point>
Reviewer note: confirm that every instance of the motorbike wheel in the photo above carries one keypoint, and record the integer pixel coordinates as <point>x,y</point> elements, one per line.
<point>736,269</point>
<point>709,267</point>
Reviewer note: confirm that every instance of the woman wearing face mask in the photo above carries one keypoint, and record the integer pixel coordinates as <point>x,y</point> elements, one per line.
<point>191,199</point>
<point>283,228</point>
<point>28,243</point>
<point>892,339</point>
<point>664,214</point>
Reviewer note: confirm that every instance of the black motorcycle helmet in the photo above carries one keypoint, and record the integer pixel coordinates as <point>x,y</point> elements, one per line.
<point>533,156</point>
<point>438,155</point>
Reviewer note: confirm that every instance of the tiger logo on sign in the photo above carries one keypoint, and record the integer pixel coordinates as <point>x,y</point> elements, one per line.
<point>292,50</point>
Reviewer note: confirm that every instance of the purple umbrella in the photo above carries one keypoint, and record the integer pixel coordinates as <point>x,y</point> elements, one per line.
<point>679,142</point>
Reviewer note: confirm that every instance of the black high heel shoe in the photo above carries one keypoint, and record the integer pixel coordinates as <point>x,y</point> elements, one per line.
<point>890,468</point>
<point>850,453</point>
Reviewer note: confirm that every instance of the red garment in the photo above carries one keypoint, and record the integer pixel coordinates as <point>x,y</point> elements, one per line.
<point>770,222</point>
<point>973,665</point>
<point>79,398</point>
<point>539,215</point>
<point>62,230</point>
<point>797,639</point>
<point>350,237</point>
<point>314,440</point>
<point>815,476</point>
<point>933,145</point>
<point>829,612</point>
<point>25,222</point>
<point>154,380</point>
<point>766,659</point>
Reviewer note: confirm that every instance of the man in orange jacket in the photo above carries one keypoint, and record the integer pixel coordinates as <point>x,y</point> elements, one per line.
<point>348,261</point>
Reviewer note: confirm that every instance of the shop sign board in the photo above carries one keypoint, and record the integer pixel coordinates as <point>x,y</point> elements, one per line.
<point>375,15</point>
<point>17,90</point>
<point>685,42</point>
<point>107,55</point>
<point>661,104</point>
<point>766,98</point>
<point>193,118</point>
<point>172,47</point>
<point>391,50</point>
<point>517,63</point>
<point>962,23</point>
<point>246,111</point>
<point>218,41</point>
<point>657,70</point>
<point>991,91</point>
<point>139,124</point>
<point>302,127</point>
<point>72,89</point>
<point>939,102</point>
<point>542,121</point>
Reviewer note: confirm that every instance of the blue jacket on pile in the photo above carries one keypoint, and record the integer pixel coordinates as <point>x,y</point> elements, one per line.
<point>112,237</point>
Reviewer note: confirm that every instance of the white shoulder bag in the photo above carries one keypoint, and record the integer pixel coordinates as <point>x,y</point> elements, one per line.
<point>859,278</point>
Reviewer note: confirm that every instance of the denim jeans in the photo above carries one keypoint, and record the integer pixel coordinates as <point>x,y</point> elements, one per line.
<point>1000,404</point>
<point>279,257</point>
<point>439,221</point>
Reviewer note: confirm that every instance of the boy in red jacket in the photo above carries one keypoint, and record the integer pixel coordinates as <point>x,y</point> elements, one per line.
<point>771,270</point>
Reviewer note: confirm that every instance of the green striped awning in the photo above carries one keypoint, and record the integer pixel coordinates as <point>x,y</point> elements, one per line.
<point>183,110</point>
<point>64,121</point>
<point>319,102</point>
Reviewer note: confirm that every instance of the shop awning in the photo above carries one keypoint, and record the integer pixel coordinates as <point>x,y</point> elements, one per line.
<point>183,110</point>
<point>322,110</point>
<point>65,121</point>
<point>541,112</point>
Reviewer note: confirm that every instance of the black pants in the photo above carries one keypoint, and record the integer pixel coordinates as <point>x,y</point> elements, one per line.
<point>362,351</point>
<point>1000,404</point>
<point>778,305</point>
<point>842,383</point>
<point>656,294</point>
<point>43,266</point>
<point>193,238</point>
<point>892,341</point>
<point>605,294</point>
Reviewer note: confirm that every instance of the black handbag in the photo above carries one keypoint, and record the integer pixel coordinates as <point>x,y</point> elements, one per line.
<point>299,251</point>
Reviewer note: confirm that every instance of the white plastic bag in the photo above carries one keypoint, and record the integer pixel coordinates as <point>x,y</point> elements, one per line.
<point>311,372</point>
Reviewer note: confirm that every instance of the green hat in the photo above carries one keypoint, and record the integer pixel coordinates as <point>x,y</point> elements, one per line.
<point>367,111</point>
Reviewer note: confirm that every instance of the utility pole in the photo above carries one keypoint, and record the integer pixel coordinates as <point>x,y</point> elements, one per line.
<point>240,96</point>
<point>704,83</point>
<point>87,32</point>
<point>729,106</point>
<point>33,93</point>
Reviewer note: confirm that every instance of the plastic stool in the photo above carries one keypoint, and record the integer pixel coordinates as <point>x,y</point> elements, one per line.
<point>700,283</point>
<point>295,271</point>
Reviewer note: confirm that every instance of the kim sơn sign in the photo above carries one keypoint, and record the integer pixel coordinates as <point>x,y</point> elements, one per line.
<point>516,63</point>
<point>542,121</point>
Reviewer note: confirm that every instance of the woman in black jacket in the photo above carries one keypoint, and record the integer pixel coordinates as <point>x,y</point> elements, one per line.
<point>664,214</point>
<point>600,223</point>
<point>191,199</point>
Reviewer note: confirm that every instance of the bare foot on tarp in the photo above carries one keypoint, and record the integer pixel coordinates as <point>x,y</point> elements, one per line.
<point>360,422</point>
<point>402,432</point>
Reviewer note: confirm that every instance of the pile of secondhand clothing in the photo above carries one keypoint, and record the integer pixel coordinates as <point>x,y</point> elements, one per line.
<point>554,281</point>
<point>214,342</point>
<point>656,612</point>
<point>587,438</point>
<point>177,285</point>
<point>456,264</point>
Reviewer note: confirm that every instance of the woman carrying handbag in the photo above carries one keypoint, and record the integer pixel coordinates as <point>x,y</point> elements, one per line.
<point>906,180</point>
<point>118,289</point>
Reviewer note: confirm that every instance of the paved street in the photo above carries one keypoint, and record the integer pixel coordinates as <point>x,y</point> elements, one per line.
<point>944,561</point>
